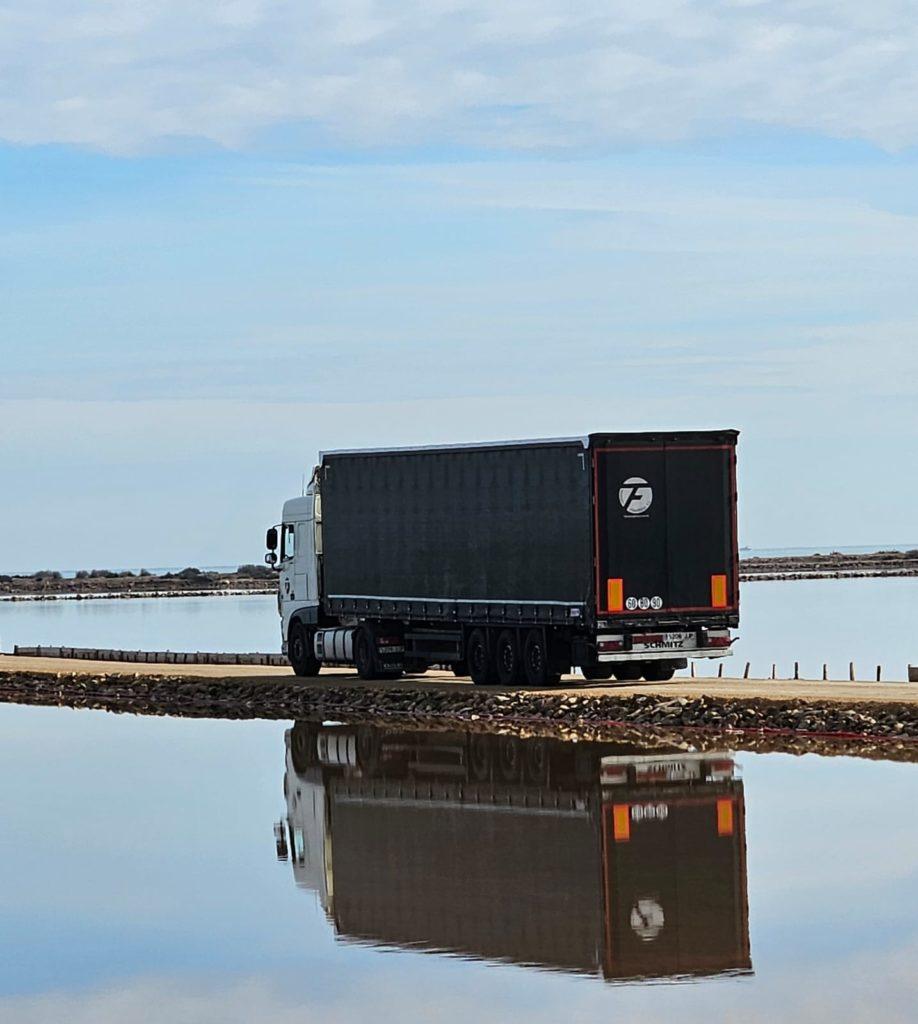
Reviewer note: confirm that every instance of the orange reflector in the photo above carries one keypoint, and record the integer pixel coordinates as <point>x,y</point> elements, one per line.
<point>621,823</point>
<point>615,595</point>
<point>725,817</point>
<point>718,591</point>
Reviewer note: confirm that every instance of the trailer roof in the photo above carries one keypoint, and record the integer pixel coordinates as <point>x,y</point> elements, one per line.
<point>585,441</point>
<point>540,442</point>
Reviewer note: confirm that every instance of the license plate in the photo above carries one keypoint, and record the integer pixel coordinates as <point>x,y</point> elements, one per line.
<point>669,642</point>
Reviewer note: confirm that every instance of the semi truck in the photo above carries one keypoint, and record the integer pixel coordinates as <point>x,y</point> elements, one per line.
<point>514,561</point>
<point>591,858</point>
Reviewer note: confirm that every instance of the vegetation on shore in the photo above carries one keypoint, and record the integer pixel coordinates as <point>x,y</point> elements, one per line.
<point>90,582</point>
<point>261,579</point>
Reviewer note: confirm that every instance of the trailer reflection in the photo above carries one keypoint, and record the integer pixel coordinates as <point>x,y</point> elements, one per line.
<point>584,857</point>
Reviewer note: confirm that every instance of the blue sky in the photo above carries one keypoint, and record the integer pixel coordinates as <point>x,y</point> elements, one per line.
<point>235,234</point>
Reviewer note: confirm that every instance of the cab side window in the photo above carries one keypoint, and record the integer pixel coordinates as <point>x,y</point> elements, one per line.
<point>288,541</point>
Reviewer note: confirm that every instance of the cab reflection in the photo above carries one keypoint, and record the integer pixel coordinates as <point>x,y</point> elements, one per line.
<point>591,858</point>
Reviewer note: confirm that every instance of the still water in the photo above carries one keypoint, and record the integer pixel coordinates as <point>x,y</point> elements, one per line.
<point>869,621</point>
<point>203,871</point>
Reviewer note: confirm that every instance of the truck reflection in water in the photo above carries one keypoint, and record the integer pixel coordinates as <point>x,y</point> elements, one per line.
<point>585,857</point>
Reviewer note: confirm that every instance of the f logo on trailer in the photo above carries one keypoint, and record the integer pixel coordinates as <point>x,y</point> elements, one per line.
<point>635,496</point>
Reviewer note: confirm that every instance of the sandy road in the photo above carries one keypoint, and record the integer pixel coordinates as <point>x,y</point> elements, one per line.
<point>781,689</point>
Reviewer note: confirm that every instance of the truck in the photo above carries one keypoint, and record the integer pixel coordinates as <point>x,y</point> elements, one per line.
<point>513,562</point>
<point>606,859</point>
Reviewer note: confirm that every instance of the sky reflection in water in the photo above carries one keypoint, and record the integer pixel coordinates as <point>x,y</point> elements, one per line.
<point>141,882</point>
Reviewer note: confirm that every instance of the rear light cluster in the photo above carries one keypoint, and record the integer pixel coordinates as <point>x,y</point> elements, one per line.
<point>607,646</point>
<point>720,771</point>
<point>615,595</point>
<point>718,639</point>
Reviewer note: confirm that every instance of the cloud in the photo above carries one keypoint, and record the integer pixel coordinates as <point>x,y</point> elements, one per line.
<point>421,988</point>
<point>122,76</point>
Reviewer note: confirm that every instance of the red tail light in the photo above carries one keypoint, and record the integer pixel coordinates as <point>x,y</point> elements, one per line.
<point>605,646</point>
<point>719,641</point>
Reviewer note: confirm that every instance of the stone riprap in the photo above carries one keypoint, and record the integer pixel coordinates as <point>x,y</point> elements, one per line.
<point>884,729</point>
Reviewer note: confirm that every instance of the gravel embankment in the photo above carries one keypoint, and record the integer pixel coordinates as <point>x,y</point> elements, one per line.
<point>879,728</point>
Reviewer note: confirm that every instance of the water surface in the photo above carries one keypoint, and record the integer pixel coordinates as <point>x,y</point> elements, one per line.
<point>868,621</point>
<point>441,877</point>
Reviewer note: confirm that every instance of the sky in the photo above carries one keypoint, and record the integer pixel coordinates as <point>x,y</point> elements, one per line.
<point>233,234</point>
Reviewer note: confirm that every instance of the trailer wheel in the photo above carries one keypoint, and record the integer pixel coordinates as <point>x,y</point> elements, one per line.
<point>628,671</point>
<point>509,669</point>
<point>480,756</point>
<point>536,663</point>
<point>536,760</point>
<point>365,654</point>
<point>597,671</point>
<point>481,664</point>
<point>300,652</point>
<point>658,671</point>
<point>508,758</point>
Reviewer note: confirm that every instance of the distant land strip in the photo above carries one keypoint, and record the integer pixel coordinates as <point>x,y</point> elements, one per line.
<point>259,579</point>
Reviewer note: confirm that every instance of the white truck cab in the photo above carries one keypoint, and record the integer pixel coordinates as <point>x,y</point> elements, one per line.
<point>295,547</point>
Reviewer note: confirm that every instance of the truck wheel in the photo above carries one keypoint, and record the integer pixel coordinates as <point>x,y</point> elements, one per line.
<point>480,756</point>
<point>303,747</point>
<point>481,664</point>
<point>509,669</point>
<point>628,671</point>
<point>536,663</point>
<point>597,671</point>
<point>365,654</point>
<point>369,748</point>
<point>300,652</point>
<point>658,671</point>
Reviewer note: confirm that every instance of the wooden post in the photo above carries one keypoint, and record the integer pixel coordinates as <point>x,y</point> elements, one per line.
<point>693,669</point>
<point>796,670</point>
<point>878,672</point>
<point>720,670</point>
<point>772,670</point>
<point>851,671</point>
<point>746,671</point>
<point>825,672</point>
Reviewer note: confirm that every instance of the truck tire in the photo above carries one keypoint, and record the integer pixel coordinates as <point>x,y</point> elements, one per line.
<point>597,671</point>
<point>536,761</point>
<point>480,756</point>
<point>507,659</point>
<point>658,671</point>
<point>536,661</point>
<point>300,652</point>
<point>628,671</point>
<point>365,654</point>
<point>509,758</point>
<point>481,664</point>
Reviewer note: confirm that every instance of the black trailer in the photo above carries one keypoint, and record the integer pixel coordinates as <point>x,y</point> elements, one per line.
<point>595,858</point>
<point>615,552</point>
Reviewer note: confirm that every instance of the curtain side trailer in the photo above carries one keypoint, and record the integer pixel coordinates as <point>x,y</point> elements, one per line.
<point>513,562</point>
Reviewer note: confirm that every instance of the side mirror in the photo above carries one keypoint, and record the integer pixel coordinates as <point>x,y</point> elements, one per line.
<point>271,559</point>
<point>271,539</point>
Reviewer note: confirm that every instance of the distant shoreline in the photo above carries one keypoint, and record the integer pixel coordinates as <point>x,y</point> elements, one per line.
<point>835,565</point>
<point>251,580</point>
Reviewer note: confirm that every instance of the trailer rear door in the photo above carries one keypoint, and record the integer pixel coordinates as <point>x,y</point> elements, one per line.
<point>665,524</point>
